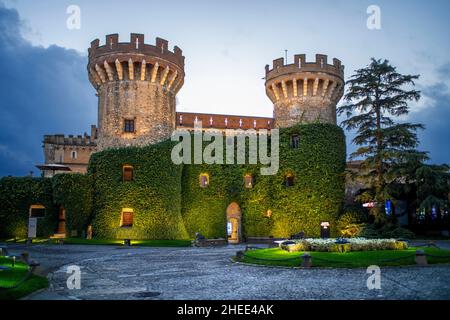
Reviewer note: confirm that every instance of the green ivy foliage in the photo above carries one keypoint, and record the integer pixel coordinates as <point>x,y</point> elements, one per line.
<point>154,194</point>
<point>169,203</point>
<point>74,193</point>
<point>317,166</point>
<point>16,197</point>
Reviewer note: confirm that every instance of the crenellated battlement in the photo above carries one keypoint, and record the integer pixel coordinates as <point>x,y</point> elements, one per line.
<point>136,60</point>
<point>136,86</point>
<point>136,45</point>
<point>301,65</point>
<point>305,91</point>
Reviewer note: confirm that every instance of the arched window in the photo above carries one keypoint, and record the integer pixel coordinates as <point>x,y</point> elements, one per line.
<point>37,211</point>
<point>204,180</point>
<point>74,155</point>
<point>289,180</point>
<point>248,181</point>
<point>127,218</point>
<point>295,141</point>
<point>127,173</point>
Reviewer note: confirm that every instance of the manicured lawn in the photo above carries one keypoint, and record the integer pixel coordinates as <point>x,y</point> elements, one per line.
<point>278,257</point>
<point>15,275</point>
<point>144,243</point>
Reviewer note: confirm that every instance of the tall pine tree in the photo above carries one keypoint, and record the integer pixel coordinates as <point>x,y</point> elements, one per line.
<point>376,98</point>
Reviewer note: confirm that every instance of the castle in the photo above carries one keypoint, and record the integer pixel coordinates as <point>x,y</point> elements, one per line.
<point>133,190</point>
<point>137,83</point>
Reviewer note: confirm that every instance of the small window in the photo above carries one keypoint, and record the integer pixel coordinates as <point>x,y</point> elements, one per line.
<point>127,173</point>
<point>248,181</point>
<point>74,155</point>
<point>129,126</point>
<point>204,180</point>
<point>37,211</point>
<point>295,141</point>
<point>127,218</point>
<point>289,180</point>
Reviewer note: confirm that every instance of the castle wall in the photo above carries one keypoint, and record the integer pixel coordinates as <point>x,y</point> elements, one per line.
<point>150,106</point>
<point>304,92</point>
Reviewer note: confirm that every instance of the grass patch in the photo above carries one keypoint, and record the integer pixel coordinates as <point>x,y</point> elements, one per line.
<point>13,276</point>
<point>83,241</point>
<point>357,259</point>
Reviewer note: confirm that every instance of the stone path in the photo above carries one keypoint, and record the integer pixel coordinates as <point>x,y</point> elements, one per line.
<point>110,272</point>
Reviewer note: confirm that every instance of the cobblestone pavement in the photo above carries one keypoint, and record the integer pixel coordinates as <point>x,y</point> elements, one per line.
<point>110,272</point>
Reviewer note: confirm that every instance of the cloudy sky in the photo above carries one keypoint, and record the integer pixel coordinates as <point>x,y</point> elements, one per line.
<point>44,87</point>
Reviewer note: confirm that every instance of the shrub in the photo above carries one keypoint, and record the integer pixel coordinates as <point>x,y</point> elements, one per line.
<point>371,231</point>
<point>354,244</point>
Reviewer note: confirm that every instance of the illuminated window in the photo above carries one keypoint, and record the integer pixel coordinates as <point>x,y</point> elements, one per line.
<point>295,141</point>
<point>204,180</point>
<point>248,181</point>
<point>129,126</point>
<point>127,173</point>
<point>289,180</point>
<point>37,211</point>
<point>127,218</point>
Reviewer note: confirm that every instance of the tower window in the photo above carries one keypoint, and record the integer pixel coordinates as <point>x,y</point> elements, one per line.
<point>129,126</point>
<point>295,141</point>
<point>127,173</point>
<point>289,180</point>
<point>74,155</point>
<point>127,218</point>
<point>248,181</point>
<point>204,180</point>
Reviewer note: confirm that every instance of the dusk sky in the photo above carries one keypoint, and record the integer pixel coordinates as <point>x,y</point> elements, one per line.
<point>44,86</point>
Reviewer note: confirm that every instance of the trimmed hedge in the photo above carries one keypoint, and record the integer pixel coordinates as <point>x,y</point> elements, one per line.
<point>154,194</point>
<point>16,197</point>
<point>74,193</point>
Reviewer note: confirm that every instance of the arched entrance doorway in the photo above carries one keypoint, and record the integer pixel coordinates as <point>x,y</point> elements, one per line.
<point>234,217</point>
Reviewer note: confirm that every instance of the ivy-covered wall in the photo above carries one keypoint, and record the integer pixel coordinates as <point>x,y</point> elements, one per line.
<point>74,193</point>
<point>319,186</point>
<point>316,196</point>
<point>169,203</point>
<point>16,197</point>
<point>154,194</point>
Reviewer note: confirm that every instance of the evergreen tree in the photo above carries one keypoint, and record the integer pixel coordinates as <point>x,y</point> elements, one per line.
<point>376,98</point>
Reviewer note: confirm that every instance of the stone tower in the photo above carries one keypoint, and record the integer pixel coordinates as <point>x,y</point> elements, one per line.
<point>304,91</point>
<point>136,86</point>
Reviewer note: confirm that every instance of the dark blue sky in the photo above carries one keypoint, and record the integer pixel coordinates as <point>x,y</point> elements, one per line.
<point>44,87</point>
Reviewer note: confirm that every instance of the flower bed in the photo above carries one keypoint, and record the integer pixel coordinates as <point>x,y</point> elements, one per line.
<point>342,245</point>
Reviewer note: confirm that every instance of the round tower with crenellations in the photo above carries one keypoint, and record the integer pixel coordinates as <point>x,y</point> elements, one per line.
<point>304,91</point>
<point>136,86</point>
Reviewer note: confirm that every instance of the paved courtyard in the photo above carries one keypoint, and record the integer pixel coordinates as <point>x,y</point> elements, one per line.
<point>110,272</point>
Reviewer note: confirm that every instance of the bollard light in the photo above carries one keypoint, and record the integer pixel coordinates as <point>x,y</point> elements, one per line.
<point>307,261</point>
<point>421,258</point>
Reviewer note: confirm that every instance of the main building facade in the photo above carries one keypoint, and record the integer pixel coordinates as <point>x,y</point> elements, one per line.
<point>136,85</point>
